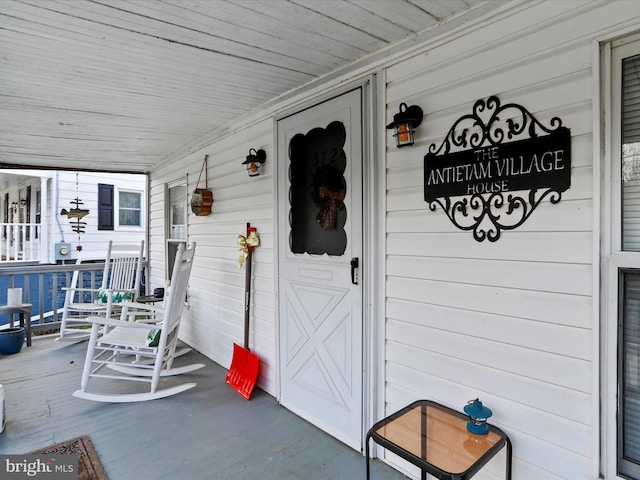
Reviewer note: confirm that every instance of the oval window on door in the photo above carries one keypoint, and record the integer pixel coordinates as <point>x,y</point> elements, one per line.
<point>317,212</point>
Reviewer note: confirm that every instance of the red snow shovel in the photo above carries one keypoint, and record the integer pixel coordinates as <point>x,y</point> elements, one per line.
<point>243,371</point>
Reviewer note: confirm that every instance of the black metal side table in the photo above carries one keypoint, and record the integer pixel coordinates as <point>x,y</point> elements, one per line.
<point>149,299</point>
<point>435,439</point>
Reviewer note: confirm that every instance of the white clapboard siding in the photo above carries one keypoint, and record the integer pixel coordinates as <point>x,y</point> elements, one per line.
<point>503,329</point>
<point>215,318</point>
<point>523,275</point>
<point>511,321</point>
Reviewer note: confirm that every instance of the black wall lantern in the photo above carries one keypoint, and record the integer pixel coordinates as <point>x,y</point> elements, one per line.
<point>254,161</point>
<point>404,124</point>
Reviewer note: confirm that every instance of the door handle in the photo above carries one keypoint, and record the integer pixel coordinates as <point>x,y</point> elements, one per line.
<point>354,270</point>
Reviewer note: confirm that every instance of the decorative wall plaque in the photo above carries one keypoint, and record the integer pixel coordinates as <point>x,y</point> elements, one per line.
<point>494,168</point>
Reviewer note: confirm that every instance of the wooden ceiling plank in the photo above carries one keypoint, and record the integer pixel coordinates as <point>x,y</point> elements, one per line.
<point>292,17</point>
<point>110,18</point>
<point>405,13</point>
<point>442,9</point>
<point>60,24</point>
<point>231,22</point>
<point>292,35</point>
<point>360,19</point>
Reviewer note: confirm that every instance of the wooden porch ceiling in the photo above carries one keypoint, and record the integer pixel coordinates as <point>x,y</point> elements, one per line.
<point>123,85</point>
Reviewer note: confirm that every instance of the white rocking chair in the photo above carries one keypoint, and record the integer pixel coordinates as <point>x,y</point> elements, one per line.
<point>126,349</point>
<point>120,280</point>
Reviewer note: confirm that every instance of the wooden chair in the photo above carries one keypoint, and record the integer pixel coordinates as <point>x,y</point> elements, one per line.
<point>120,280</point>
<point>129,348</point>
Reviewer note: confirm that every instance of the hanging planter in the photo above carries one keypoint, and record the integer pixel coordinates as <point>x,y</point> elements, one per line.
<point>202,198</point>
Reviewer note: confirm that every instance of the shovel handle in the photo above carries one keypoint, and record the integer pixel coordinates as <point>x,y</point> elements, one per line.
<point>247,299</point>
<point>247,289</point>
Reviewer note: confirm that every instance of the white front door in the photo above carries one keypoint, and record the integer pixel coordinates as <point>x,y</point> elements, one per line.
<point>320,294</point>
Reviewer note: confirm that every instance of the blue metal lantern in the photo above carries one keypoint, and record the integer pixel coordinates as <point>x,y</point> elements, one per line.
<point>478,415</point>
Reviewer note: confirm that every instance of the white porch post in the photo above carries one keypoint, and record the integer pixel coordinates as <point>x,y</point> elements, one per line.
<point>45,246</point>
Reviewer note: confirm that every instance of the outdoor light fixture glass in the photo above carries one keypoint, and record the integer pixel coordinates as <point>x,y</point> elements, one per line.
<point>254,161</point>
<point>404,124</point>
<point>478,415</point>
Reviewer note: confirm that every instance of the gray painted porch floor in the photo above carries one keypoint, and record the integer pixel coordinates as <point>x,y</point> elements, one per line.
<point>208,432</point>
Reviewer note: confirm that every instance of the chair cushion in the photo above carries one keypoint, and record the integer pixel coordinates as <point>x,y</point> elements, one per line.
<point>153,337</point>
<point>118,297</point>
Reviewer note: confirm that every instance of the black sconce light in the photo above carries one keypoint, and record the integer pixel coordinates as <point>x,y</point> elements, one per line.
<point>404,124</point>
<point>23,202</point>
<point>14,206</point>
<point>254,161</point>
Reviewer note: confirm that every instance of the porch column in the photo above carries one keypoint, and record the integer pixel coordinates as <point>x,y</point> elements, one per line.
<point>45,246</point>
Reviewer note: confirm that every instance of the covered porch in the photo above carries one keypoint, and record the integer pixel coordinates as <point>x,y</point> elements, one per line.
<point>536,323</point>
<point>208,432</point>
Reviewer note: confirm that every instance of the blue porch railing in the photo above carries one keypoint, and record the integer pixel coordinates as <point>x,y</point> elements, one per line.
<point>42,286</point>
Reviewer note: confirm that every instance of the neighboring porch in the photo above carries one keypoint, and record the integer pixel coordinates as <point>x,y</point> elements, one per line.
<point>209,432</point>
<point>20,242</point>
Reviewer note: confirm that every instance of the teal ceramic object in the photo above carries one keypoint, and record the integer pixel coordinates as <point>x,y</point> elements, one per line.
<point>11,340</point>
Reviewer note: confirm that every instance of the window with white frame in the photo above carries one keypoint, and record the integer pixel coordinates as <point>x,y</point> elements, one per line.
<point>622,250</point>
<point>176,224</point>
<point>129,208</point>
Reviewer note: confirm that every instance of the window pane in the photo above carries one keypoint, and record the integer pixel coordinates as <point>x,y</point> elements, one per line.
<point>129,200</point>
<point>631,153</point>
<point>629,417</point>
<point>129,213</point>
<point>130,217</point>
<point>178,212</point>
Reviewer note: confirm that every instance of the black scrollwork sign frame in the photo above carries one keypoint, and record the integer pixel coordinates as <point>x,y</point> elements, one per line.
<point>495,167</point>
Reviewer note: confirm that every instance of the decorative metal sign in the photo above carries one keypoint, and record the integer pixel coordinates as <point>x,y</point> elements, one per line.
<point>75,215</point>
<point>474,183</point>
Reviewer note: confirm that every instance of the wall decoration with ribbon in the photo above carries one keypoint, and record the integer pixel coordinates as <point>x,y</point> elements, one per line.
<point>329,190</point>
<point>247,244</point>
